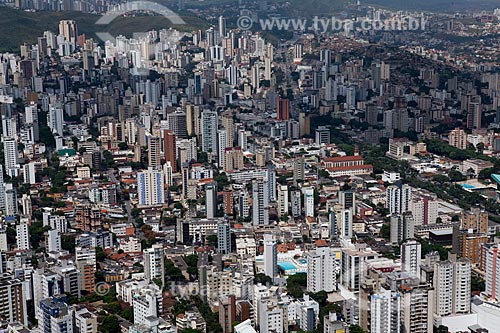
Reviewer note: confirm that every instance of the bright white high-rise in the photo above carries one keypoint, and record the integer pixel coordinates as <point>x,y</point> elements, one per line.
<point>411,257</point>
<point>22,237</point>
<point>153,263</point>
<point>398,198</point>
<point>55,120</point>
<point>385,311</point>
<point>308,201</point>
<point>270,256</point>
<point>211,200</point>
<point>321,273</point>
<point>221,146</point>
<point>452,287</point>
<point>11,157</point>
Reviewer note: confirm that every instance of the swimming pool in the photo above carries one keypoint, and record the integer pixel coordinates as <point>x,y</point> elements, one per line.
<point>468,186</point>
<point>302,261</point>
<point>287,266</point>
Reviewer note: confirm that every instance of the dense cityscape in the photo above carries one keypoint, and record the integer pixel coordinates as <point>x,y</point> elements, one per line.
<point>254,174</point>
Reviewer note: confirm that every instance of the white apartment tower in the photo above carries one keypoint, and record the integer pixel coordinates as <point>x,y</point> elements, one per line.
<point>221,147</point>
<point>385,311</point>
<point>211,200</point>
<point>270,256</point>
<point>55,120</point>
<point>11,157</point>
<point>411,254</point>
<point>321,273</point>
<point>398,198</point>
<point>452,286</point>
<point>22,236</point>
<point>308,201</point>
<point>153,263</point>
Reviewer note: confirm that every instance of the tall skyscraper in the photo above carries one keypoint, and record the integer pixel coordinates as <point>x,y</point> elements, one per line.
<point>211,200</point>
<point>228,124</point>
<point>321,273</point>
<point>452,286</point>
<point>298,170</point>
<point>308,201</point>
<point>424,209</point>
<point>11,208</point>
<point>282,200</point>
<point>221,148</point>
<point>86,263</point>
<point>270,256</point>
<point>224,238</point>
<point>55,120</point>
<point>282,108</point>
<point>177,123</point>
<point>352,261</point>
<point>154,152</point>
<point>11,157</point>
<point>296,203</point>
<point>150,187</point>
<point>475,219</point>
<point>222,26</point>
<point>458,138</point>
<point>474,114</point>
<point>260,203</point>
<point>22,237</point>
<point>411,257</point>
<point>53,241</point>
<point>493,273</point>
<point>385,311</point>
<point>402,227</point>
<point>154,267</point>
<point>170,149</point>
<point>417,308</point>
<point>346,218</point>
<point>398,198</point>
<point>14,307</point>
<point>69,30</point>
<point>209,131</point>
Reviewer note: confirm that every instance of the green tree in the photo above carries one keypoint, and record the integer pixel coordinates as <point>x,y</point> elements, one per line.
<point>211,240</point>
<point>477,283</point>
<point>356,329</point>
<point>191,260</point>
<point>100,255</point>
<point>321,297</point>
<point>110,324</point>
<point>456,176</point>
<point>263,279</point>
<point>385,231</point>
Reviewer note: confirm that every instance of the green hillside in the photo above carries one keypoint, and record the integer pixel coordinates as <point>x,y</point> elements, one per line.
<point>20,27</point>
<point>445,6</point>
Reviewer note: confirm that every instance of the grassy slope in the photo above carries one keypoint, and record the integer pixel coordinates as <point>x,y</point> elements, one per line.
<point>19,27</point>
